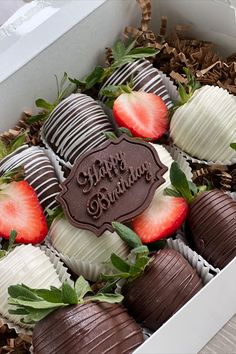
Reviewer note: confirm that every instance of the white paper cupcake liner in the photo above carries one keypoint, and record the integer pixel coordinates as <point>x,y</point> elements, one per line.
<point>205,271</point>
<point>181,160</point>
<point>54,161</point>
<point>177,151</point>
<point>63,274</point>
<point>170,86</point>
<point>52,153</point>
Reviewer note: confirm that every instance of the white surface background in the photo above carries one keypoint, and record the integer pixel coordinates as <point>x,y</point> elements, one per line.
<point>8,7</point>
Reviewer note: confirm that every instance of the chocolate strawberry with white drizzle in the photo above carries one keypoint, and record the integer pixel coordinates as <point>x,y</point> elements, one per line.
<point>72,318</point>
<point>156,285</point>
<point>38,172</point>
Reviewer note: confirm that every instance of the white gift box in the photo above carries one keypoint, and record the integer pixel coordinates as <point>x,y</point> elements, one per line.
<point>48,37</point>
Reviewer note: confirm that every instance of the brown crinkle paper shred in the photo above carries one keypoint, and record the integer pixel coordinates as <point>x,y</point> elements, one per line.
<point>10,342</point>
<point>33,131</point>
<point>177,51</point>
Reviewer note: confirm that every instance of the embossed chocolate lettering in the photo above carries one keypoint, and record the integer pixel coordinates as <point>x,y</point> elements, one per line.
<point>115,181</point>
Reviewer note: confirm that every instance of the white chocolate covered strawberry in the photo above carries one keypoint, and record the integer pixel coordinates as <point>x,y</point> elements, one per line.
<point>205,126</point>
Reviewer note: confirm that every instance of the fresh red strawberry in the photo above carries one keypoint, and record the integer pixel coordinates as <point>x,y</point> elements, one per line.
<point>20,210</point>
<point>163,217</point>
<point>144,114</point>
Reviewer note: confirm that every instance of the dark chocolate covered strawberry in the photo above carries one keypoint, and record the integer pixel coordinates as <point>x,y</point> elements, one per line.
<point>157,286</point>
<point>94,324</point>
<point>38,172</point>
<point>212,222</point>
<point>211,219</point>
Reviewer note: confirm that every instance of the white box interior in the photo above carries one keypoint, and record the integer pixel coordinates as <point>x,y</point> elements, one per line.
<point>73,39</point>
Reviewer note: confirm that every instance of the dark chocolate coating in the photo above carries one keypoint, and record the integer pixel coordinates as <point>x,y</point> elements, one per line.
<point>94,328</point>
<point>212,221</point>
<point>75,126</point>
<point>167,284</point>
<point>39,173</point>
<point>144,77</point>
<point>102,184</point>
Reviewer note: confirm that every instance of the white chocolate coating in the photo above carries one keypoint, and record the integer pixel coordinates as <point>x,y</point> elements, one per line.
<point>206,125</point>
<point>84,246</point>
<point>28,265</point>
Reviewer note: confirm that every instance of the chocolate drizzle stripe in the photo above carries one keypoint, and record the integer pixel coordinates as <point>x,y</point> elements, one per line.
<point>76,125</point>
<point>39,173</point>
<point>144,77</point>
<point>86,328</point>
<point>167,284</point>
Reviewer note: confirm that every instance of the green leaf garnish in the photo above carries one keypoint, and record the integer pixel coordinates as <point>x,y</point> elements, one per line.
<point>8,244</point>
<point>127,235</point>
<point>123,130</point>
<point>15,175</point>
<point>110,135</point>
<point>122,54</point>
<point>64,89</point>
<point>13,145</point>
<point>54,213</point>
<point>186,91</point>
<point>233,146</point>
<point>82,287</point>
<point>119,263</point>
<point>136,263</point>
<point>35,304</point>
<point>180,182</point>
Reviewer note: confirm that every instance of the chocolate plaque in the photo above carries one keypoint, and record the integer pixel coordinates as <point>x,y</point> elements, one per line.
<point>114,182</point>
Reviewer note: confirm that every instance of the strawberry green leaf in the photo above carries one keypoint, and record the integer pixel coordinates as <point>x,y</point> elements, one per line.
<point>123,130</point>
<point>94,77</point>
<point>41,103</point>
<point>39,305</point>
<point>233,146</point>
<point>142,52</point>
<point>3,253</point>
<point>54,213</point>
<point>12,239</point>
<point>180,183</point>
<point>3,149</point>
<point>118,50</point>
<point>117,276</point>
<point>127,235</point>
<point>50,295</point>
<point>172,193</point>
<point>36,315</point>
<point>19,311</point>
<point>119,263</point>
<point>37,118</point>
<point>18,291</point>
<point>17,142</point>
<point>82,287</point>
<point>69,295</point>
<point>110,135</point>
<point>110,298</point>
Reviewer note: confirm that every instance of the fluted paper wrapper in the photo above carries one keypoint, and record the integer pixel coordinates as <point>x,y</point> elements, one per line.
<point>88,270</point>
<point>177,151</point>
<point>170,86</point>
<point>55,162</point>
<point>181,160</point>
<point>205,271</point>
<point>63,276</point>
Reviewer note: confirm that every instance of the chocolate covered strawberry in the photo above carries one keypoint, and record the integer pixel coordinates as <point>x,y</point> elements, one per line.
<point>21,211</point>
<point>204,126</point>
<point>91,324</point>
<point>212,223</point>
<point>38,172</point>
<point>144,114</point>
<point>157,286</point>
<point>24,264</point>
